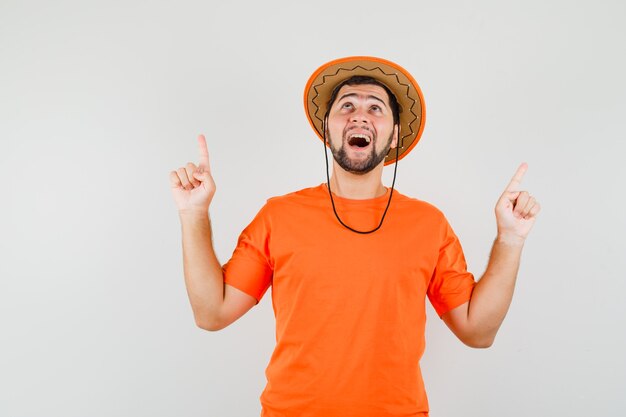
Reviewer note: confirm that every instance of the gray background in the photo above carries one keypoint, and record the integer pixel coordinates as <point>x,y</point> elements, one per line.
<point>100,101</point>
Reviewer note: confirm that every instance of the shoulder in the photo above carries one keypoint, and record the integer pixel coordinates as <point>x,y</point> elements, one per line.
<point>291,207</point>
<point>418,207</point>
<point>305,196</point>
<point>427,215</point>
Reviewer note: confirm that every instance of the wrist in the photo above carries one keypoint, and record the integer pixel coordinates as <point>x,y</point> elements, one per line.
<point>193,213</point>
<point>510,239</point>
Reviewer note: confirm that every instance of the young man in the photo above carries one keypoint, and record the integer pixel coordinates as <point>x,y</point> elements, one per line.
<point>351,261</point>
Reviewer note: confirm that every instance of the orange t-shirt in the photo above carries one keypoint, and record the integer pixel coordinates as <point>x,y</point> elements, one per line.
<point>350,308</point>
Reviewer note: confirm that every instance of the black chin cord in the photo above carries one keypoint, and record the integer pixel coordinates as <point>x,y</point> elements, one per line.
<point>395,169</point>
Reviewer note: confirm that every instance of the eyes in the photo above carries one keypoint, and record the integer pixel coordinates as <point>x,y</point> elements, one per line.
<point>349,106</point>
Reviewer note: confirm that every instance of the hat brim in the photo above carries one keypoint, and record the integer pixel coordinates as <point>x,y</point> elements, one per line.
<point>322,82</point>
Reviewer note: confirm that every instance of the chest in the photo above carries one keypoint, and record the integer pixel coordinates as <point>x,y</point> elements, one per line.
<point>316,260</point>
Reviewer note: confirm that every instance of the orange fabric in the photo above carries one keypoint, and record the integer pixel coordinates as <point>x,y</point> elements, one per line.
<point>350,309</point>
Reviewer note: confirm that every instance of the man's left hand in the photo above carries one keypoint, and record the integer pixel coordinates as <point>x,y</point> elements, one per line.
<point>516,211</point>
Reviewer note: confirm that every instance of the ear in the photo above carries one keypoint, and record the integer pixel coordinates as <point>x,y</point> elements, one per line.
<point>394,142</point>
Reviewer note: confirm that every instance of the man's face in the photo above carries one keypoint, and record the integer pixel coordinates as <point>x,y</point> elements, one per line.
<point>360,127</point>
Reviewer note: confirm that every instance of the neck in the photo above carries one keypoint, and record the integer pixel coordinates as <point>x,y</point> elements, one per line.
<point>357,187</point>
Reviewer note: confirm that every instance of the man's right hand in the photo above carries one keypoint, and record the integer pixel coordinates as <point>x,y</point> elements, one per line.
<point>193,186</point>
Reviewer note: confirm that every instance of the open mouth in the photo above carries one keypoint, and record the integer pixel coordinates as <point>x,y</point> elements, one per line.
<point>359,140</point>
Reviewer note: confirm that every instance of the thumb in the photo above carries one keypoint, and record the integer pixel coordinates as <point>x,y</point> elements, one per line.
<point>511,195</point>
<point>205,178</point>
<point>201,175</point>
<point>507,197</point>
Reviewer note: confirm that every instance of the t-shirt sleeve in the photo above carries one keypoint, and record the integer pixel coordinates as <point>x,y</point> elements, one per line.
<point>249,269</point>
<point>451,284</point>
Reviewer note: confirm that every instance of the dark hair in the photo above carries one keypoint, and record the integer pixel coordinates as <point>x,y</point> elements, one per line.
<point>361,80</point>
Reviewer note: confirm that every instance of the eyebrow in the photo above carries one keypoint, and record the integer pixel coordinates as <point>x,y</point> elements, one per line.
<point>357,95</point>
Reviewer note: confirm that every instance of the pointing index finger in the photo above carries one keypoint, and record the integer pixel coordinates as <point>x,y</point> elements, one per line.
<point>517,178</point>
<point>204,152</point>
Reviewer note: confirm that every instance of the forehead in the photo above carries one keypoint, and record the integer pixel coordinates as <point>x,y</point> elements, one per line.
<point>363,91</point>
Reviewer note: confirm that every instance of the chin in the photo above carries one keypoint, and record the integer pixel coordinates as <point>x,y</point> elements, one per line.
<point>357,170</point>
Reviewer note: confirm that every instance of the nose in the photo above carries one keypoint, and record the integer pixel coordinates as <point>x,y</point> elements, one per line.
<point>359,116</point>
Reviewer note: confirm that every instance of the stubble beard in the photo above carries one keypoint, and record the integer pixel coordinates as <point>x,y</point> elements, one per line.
<point>362,166</point>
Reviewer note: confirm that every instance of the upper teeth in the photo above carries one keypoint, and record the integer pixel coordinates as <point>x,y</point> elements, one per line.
<point>360,135</point>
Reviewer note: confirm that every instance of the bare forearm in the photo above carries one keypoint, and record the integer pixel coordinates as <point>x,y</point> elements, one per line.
<point>494,291</point>
<point>203,272</point>
<point>516,213</point>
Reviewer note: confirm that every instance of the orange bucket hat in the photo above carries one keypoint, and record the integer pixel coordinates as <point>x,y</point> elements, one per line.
<point>323,81</point>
